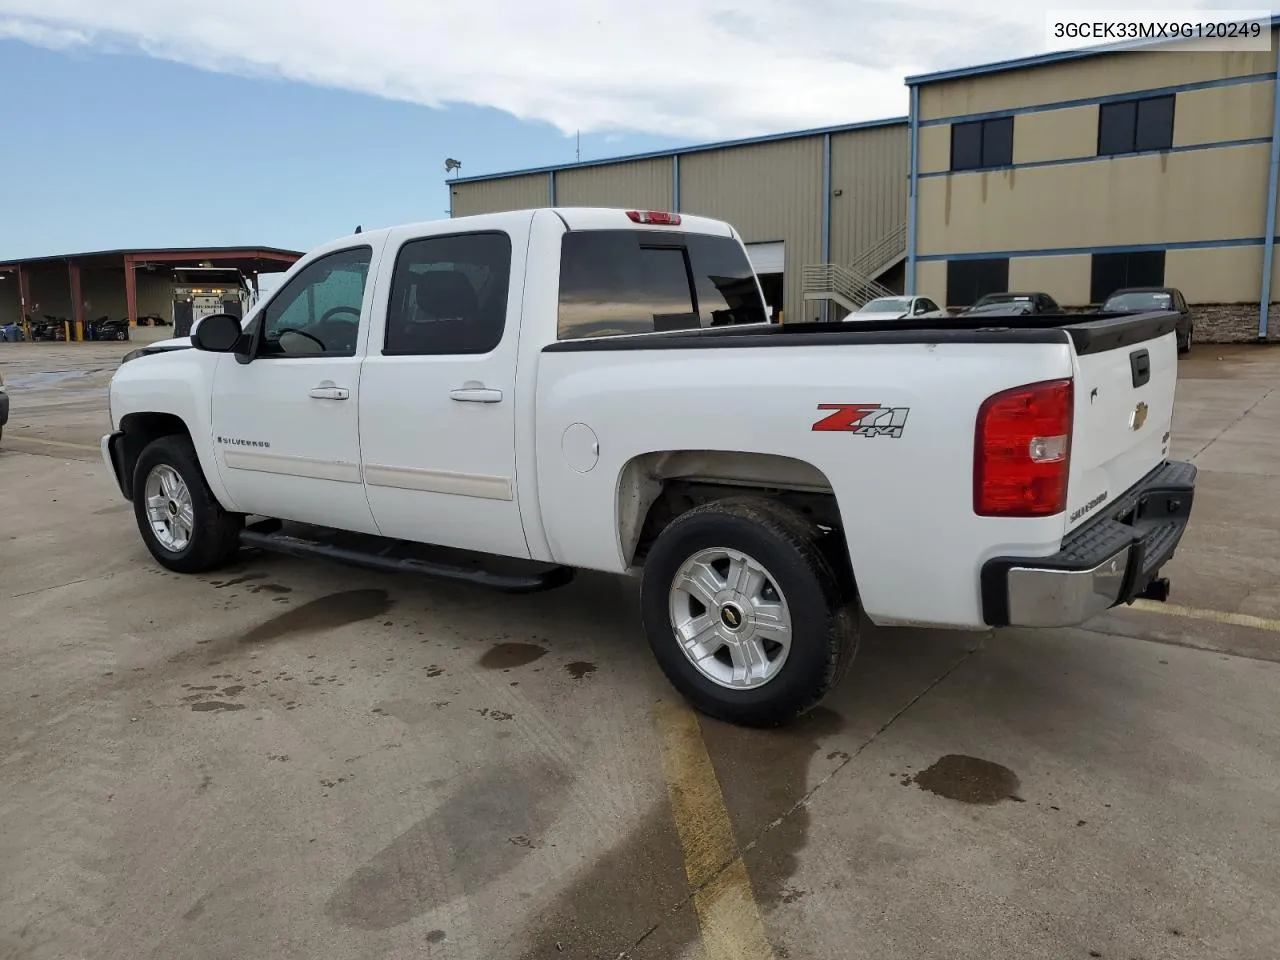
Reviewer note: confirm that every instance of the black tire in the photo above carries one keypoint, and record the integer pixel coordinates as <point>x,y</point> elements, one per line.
<point>823,610</point>
<point>215,533</point>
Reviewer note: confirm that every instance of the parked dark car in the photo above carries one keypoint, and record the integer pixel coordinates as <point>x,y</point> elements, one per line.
<point>104,328</point>
<point>1038,302</point>
<point>1144,299</point>
<point>1001,308</point>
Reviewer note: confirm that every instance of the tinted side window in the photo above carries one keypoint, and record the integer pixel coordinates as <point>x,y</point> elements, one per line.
<point>615,282</point>
<point>449,295</point>
<point>317,313</point>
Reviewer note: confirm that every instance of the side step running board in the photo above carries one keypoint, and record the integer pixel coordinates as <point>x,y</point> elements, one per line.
<point>380,554</point>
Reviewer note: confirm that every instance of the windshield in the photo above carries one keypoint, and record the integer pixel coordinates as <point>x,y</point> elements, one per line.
<point>1149,300</point>
<point>887,305</point>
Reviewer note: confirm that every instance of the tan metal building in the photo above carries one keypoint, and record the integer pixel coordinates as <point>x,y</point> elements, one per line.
<point>1077,173</point>
<point>823,212</point>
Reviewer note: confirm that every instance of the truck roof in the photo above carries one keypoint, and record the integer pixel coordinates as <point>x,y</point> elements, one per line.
<point>575,218</point>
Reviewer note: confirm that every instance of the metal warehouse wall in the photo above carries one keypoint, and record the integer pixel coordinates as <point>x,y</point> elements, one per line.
<point>640,184</point>
<point>870,167</point>
<point>1059,202</point>
<point>507,193</point>
<point>1097,76</point>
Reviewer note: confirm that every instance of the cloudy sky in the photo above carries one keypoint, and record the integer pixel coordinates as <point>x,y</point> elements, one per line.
<point>510,81</point>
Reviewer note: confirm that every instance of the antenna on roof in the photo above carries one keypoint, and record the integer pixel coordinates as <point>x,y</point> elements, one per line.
<point>357,228</point>
<point>450,165</point>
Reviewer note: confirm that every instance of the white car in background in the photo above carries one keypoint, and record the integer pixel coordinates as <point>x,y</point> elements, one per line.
<point>897,308</point>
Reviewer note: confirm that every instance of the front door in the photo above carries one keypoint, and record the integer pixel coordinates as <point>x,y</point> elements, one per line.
<point>285,425</point>
<point>437,408</point>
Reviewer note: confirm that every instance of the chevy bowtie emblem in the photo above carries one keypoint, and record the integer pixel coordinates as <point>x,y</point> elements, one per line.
<point>1138,417</point>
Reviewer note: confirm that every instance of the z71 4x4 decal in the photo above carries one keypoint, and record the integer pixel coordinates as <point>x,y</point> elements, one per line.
<point>863,419</point>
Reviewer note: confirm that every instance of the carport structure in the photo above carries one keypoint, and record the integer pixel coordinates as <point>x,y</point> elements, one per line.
<point>114,282</point>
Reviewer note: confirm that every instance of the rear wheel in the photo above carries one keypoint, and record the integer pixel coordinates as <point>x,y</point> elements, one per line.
<point>181,522</point>
<point>744,612</point>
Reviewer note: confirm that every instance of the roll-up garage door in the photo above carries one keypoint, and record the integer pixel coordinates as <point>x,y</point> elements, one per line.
<point>766,257</point>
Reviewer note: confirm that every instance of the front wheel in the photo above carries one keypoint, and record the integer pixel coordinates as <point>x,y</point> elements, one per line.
<point>181,522</point>
<point>744,612</point>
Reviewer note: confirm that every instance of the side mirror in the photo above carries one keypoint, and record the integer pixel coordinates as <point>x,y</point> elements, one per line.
<point>217,333</point>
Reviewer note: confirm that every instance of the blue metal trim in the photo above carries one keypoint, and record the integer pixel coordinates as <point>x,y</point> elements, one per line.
<point>1058,56</point>
<point>675,182</point>
<point>1273,175</point>
<point>1119,248</point>
<point>697,148</point>
<point>1109,98</point>
<point>551,188</point>
<point>1033,164</point>
<point>913,186</point>
<point>826,212</point>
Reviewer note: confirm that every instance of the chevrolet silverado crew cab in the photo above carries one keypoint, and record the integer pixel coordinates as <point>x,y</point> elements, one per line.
<point>503,399</point>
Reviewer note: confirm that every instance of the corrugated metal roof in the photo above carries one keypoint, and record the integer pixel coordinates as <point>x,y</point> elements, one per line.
<point>247,253</point>
<point>1059,56</point>
<point>681,151</point>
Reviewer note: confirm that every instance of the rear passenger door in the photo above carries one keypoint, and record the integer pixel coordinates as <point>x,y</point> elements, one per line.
<point>437,407</point>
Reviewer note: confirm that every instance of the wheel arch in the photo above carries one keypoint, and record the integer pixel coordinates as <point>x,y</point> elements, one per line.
<point>140,429</point>
<point>654,488</point>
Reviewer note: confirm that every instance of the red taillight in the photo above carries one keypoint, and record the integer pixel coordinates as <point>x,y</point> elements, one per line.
<point>654,217</point>
<point>1022,451</point>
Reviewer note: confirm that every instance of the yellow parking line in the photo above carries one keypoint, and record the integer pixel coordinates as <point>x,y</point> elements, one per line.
<point>728,917</point>
<point>56,443</point>
<point>1216,616</point>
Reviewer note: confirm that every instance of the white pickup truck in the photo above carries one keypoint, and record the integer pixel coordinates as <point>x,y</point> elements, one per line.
<point>601,389</point>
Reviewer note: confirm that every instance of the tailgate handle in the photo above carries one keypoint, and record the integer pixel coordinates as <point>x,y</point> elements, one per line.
<point>1140,363</point>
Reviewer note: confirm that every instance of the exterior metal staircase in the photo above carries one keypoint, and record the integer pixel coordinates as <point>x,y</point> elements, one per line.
<point>854,285</point>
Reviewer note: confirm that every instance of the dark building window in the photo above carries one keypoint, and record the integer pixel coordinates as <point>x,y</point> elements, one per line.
<point>982,143</point>
<point>967,280</point>
<point>1132,126</point>
<point>1110,272</point>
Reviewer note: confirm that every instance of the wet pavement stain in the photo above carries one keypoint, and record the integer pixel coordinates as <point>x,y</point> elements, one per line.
<point>118,508</point>
<point>334,610</point>
<point>968,780</point>
<point>270,588</point>
<point>579,669</point>
<point>210,706</point>
<point>458,851</point>
<point>435,936</point>
<point>506,656</point>
<point>246,578</point>
<point>631,893</point>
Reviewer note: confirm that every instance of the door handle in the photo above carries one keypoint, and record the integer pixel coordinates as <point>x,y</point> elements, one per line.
<point>329,392</point>
<point>476,395</point>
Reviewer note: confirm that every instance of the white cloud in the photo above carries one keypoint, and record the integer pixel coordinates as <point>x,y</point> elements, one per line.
<point>681,68</point>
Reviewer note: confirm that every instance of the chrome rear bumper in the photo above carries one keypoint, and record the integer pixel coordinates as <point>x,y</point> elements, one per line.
<point>1108,561</point>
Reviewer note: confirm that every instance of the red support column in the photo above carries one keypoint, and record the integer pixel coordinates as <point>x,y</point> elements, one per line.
<point>24,298</point>
<point>130,291</point>
<point>77,301</point>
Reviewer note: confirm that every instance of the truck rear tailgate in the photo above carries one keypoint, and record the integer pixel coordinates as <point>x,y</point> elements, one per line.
<point>1126,373</point>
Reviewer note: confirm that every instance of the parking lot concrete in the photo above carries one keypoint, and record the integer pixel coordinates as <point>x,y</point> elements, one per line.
<point>290,759</point>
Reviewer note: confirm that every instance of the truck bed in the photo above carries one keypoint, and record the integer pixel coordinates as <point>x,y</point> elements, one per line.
<point>1089,333</point>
